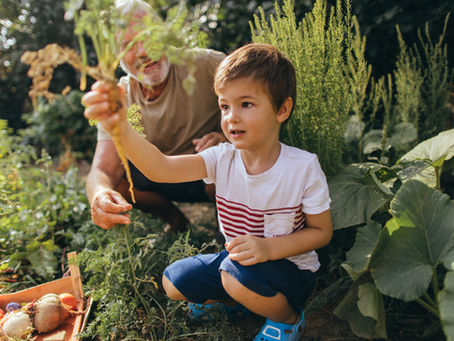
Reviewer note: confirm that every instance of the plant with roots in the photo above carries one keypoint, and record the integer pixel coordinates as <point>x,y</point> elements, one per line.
<point>103,23</point>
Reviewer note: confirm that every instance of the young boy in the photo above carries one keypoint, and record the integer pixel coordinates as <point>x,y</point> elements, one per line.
<point>272,199</point>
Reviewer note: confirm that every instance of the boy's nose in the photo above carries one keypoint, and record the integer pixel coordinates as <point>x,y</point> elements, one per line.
<point>233,115</point>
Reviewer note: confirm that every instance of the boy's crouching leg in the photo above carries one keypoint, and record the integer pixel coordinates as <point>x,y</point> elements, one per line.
<point>276,307</point>
<point>172,292</point>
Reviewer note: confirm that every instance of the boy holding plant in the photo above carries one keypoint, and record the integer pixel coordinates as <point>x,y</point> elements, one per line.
<point>272,199</point>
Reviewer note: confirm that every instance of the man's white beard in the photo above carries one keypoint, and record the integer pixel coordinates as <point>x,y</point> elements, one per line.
<point>157,77</point>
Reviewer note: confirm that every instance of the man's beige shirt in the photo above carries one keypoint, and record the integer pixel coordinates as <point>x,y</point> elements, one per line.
<point>174,119</point>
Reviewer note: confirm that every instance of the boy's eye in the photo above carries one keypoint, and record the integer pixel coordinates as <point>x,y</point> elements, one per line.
<point>223,107</point>
<point>246,104</point>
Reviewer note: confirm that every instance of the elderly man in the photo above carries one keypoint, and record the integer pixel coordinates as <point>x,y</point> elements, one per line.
<point>173,120</point>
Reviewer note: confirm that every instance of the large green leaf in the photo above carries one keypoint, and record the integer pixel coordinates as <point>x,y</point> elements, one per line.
<point>432,152</point>
<point>42,258</point>
<point>356,194</point>
<point>446,305</point>
<point>418,237</point>
<point>358,256</point>
<point>363,308</point>
<point>402,135</point>
<point>440,146</point>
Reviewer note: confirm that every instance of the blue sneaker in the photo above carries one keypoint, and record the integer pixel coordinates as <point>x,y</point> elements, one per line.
<point>275,331</point>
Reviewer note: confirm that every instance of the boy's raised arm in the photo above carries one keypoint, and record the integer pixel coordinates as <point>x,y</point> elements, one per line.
<point>144,155</point>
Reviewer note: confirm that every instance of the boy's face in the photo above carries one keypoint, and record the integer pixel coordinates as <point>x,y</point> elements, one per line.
<point>248,118</point>
<point>137,63</point>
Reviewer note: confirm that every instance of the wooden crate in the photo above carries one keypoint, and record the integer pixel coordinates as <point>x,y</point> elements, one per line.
<point>72,284</point>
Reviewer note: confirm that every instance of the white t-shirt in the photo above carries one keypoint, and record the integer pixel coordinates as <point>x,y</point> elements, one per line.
<point>269,204</point>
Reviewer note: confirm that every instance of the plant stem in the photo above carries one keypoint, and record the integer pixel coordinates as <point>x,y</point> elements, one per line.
<point>438,176</point>
<point>431,309</point>
<point>430,300</point>
<point>133,273</point>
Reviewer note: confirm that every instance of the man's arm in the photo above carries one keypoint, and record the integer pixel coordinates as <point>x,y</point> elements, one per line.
<point>107,205</point>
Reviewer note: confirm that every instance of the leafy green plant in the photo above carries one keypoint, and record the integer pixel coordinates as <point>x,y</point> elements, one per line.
<point>39,212</point>
<point>123,275</point>
<point>59,126</point>
<point>407,253</point>
<point>405,107</point>
<point>327,51</point>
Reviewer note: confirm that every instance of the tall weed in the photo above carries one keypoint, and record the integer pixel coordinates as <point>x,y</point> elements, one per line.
<point>332,75</point>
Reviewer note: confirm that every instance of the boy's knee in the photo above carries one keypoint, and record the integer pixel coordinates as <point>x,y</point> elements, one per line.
<point>172,292</point>
<point>231,285</point>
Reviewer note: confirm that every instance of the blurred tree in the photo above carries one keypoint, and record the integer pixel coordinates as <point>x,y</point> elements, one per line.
<point>29,25</point>
<point>378,20</point>
<point>227,22</point>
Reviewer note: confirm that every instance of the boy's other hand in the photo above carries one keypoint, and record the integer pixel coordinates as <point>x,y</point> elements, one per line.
<point>247,250</point>
<point>208,140</point>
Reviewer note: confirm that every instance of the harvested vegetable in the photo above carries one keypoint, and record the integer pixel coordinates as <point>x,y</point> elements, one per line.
<point>18,324</point>
<point>68,300</point>
<point>104,23</point>
<point>13,306</point>
<point>49,313</point>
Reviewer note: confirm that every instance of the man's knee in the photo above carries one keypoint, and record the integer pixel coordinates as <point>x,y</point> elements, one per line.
<point>170,290</point>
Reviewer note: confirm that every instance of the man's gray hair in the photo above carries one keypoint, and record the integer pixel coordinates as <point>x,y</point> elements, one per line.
<point>132,6</point>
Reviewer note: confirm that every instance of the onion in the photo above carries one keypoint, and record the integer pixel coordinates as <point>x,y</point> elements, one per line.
<point>49,313</point>
<point>18,324</point>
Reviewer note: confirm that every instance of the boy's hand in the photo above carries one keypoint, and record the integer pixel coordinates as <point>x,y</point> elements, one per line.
<point>247,250</point>
<point>96,104</point>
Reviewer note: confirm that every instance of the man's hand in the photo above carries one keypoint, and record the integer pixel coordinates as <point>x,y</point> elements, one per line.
<point>247,250</point>
<point>108,209</point>
<point>209,140</point>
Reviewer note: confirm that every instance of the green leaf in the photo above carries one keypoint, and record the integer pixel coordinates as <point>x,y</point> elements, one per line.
<point>372,141</point>
<point>42,258</point>
<point>356,195</point>
<point>433,149</point>
<point>418,237</point>
<point>402,135</point>
<point>446,306</point>
<point>358,256</point>
<point>432,152</point>
<point>371,303</point>
<point>354,129</point>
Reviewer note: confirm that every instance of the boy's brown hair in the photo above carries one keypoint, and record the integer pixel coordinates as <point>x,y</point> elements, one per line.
<point>262,63</point>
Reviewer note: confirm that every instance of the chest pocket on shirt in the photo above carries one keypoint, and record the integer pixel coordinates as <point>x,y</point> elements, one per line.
<point>278,224</point>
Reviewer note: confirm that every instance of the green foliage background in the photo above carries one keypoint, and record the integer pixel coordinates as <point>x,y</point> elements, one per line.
<point>387,90</point>
<point>32,24</point>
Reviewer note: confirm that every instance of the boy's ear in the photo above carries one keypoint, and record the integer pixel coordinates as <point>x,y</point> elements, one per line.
<point>285,110</point>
